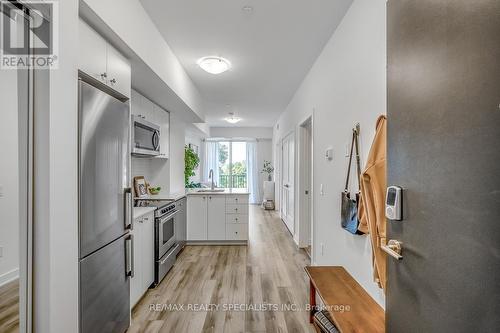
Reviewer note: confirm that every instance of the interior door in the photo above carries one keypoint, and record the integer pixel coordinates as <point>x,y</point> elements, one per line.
<point>443,149</point>
<point>287,183</point>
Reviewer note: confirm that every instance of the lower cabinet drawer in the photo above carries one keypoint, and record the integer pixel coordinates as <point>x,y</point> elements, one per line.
<point>236,218</point>
<point>236,231</point>
<point>236,209</point>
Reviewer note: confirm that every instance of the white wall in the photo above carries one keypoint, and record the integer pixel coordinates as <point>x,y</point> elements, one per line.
<point>193,138</point>
<point>177,140</point>
<point>346,85</point>
<point>9,178</point>
<point>56,204</point>
<point>241,132</point>
<point>130,22</point>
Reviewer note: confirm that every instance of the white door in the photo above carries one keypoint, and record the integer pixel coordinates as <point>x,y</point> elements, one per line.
<point>287,182</point>
<point>216,217</point>
<point>197,217</point>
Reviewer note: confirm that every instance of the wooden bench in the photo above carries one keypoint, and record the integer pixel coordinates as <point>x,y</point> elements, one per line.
<point>348,304</point>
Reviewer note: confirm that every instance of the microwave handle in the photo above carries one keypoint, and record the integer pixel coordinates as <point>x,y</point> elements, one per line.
<point>156,140</point>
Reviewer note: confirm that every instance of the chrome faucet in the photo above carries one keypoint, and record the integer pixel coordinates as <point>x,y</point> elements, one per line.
<point>211,176</point>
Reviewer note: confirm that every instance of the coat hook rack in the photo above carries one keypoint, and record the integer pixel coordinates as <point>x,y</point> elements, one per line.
<point>357,128</point>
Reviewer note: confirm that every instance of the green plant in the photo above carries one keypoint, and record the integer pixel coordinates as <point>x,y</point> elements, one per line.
<point>191,163</point>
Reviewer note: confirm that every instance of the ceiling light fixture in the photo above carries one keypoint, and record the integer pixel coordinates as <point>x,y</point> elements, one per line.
<point>232,119</point>
<point>214,65</point>
<point>247,9</point>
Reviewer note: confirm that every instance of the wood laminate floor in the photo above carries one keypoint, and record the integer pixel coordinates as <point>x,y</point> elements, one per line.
<point>266,279</point>
<point>9,307</point>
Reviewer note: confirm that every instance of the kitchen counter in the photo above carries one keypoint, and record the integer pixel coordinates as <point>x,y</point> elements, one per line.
<point>194,191</point>
<point>140,211</point>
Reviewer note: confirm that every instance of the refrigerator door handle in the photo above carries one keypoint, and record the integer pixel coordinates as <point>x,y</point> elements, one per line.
<point>129,223</point>
<point>129,256</point>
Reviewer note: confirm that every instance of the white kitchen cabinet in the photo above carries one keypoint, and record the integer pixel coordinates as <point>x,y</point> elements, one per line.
<point>216,217</point>
<point>197,218</point>
<point>143,234</point>
<point>148,251</point>
<point>237,209</point>
<point>163,119</point>
<point>236,231</point>
<point>118,71</point>
<point>92,53</point>
<point>101,61</point>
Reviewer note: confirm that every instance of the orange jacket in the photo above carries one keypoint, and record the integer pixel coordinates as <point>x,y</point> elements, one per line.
<point>372,204</point>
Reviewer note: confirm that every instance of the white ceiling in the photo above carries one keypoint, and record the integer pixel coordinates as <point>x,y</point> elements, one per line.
<point>271,49</point>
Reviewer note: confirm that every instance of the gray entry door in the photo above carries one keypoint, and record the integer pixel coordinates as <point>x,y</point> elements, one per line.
<point>444,149</point>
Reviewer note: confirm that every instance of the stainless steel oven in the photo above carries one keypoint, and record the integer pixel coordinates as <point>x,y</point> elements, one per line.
<point>166,246</point>
<point>165,229</point>
<point>145,137</point>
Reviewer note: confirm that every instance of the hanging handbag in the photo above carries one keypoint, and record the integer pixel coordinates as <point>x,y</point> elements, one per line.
<point>349,210</point>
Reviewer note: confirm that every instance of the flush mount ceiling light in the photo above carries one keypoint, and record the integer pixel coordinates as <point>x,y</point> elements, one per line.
<point>232,119</point>
<point>214,65</point>
<point>247,9</point>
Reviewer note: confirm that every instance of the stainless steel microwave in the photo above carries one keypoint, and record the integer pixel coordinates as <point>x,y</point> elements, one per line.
<point>145,137</point>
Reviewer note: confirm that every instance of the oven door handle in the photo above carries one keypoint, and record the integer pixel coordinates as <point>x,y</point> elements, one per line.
<point>168,217</point>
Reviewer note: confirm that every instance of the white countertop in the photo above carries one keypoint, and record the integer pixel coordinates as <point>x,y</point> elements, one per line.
<point>164,196</point>
<point>194,191</point>
<point>141,211</point>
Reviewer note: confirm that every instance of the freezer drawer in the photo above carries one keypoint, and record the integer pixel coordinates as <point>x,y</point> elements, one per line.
<point>105,289</point>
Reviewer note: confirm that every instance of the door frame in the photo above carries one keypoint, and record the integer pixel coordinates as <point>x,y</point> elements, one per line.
<point>305,175</point>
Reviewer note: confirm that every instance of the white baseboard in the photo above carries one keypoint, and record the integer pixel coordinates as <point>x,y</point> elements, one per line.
<point>9,276</point>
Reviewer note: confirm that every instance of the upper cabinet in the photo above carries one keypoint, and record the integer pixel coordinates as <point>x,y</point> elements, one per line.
<point>145,108</point>
<point>98,59</point>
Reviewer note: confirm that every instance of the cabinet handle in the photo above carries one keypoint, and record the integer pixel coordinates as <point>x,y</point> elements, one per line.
<point>113,81</point>
<point>236,232</point>
<point>236,219</point>
<point>104,76</point>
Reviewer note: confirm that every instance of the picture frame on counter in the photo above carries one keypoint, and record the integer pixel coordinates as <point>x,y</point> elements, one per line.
<point>140,187</point>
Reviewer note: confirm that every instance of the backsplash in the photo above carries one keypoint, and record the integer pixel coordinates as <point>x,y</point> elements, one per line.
<point>155,171</point>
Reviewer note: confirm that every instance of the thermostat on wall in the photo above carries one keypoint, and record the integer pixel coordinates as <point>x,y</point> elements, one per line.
<point>394,203</point>
<point>329,154</point>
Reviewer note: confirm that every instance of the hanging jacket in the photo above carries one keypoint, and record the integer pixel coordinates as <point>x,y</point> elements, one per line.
<point>372,204</point>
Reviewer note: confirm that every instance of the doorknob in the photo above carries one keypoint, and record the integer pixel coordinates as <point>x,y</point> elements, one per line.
<point>393,248</point>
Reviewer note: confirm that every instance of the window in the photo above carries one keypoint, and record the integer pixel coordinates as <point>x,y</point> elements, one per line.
<point>232,164</point>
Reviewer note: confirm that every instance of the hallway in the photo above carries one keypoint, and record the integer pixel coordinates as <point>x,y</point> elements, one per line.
<point>268,273</point>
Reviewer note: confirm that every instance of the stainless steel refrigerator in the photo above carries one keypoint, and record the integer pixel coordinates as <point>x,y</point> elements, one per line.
<point>105,203</point>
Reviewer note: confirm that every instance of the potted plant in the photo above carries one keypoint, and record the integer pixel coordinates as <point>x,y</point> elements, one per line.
<point>268,169</point>
<point>191,163</point>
